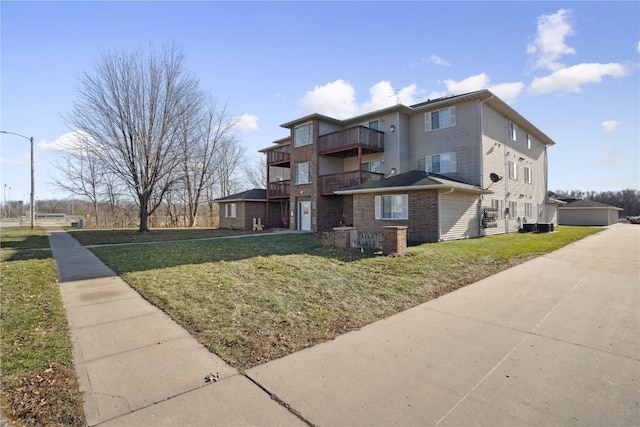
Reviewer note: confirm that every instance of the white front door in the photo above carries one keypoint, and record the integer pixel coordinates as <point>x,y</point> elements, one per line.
<point>304,216</point>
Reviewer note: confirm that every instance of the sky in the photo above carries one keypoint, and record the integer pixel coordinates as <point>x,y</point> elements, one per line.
<point>571,68</point>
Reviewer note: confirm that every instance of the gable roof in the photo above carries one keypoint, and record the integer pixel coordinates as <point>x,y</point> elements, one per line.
<point>588,204</point>
<point>254,195</point>
<point>413,180</point>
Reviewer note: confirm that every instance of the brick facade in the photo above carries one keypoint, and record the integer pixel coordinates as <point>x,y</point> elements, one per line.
<point>422,225</point>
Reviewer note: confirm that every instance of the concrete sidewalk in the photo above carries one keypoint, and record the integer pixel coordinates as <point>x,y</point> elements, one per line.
<point>130,356</point>
<point>554,341</point>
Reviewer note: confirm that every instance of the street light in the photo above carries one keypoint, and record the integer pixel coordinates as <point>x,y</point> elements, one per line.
<point>33,211</point>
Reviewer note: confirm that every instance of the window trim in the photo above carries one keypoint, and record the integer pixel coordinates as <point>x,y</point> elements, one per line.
<point>528,210</point>
<point>296,168</point>
<point>513,131</point>
<point>528,140</point>
<point>513,209</point>
<point>528,175</point>
<point>513,170</point>
<point>498,204</point>
<point>428,125</point>
<point>453,162</point>
<point>230,210</point>
<point>295,139</point>
<point>369,163</point>
<point>379,207</point>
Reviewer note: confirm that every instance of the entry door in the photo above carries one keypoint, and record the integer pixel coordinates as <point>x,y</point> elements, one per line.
<point>304,216</point>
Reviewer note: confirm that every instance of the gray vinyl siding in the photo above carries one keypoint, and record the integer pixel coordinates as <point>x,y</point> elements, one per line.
<point>458,216</point>
<point>461,139</point>
<point>498,150</point>
<point>325,128</point>
<point>587,216</point>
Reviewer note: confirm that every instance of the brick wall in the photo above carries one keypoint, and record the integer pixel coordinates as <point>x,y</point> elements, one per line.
<point>245,212</point>
<point>422,225</point>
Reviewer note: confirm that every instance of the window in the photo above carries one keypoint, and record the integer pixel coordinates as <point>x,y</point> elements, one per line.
<point>392,207</point>
<point>527,175</point>
<point>528,210</point>
<point>303,135</point>
<point>442,163</point>
<point>499,206</point>
<point>513,170</point>
<point>440,119</point>
<point>374,124</point>
<point>372,166</point>
<point>303,173</point>
<point>513,132</point>
<point>529,141</point>
<point>230,210</point>
<point>513,209</point>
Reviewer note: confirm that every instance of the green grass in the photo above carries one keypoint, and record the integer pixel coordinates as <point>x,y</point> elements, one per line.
<point>39,384</point>
<point>23,238</point>
<point>255,299</point>
<point>111,236</point>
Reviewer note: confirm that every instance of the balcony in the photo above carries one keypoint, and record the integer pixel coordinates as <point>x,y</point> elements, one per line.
<point>347,142</point>
<point>279,157</point>
<point>278,190</point>
<point>339,181</point>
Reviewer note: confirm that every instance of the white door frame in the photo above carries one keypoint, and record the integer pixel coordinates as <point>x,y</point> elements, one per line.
<point>304,215</point>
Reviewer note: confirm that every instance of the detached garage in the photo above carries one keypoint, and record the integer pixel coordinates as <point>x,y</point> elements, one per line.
<point>587,212</point>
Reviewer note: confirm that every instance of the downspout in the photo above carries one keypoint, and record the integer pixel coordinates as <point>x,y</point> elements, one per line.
<point>481,139</point>
<point>440,211</point>
<point>546,185</point>
<point>506,180</point>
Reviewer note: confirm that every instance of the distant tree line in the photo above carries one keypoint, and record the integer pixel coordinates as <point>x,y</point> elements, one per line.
<point>628,200</point>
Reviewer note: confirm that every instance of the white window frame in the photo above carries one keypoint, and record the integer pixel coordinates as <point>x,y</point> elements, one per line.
<point>369,166</point>
<point>513,170</point>
<point>513,131</point>
<point>302,136</point>
<point>528,141</point>
<point>299,171</point>
<point>528,176</point>
<point>499,206</point>
<point>374,124</point>
<point>230,210</point>
<point>428,119</point>
<point>452,161</point>
<point>398,204</point>
<point>528,209</point>
<point>513,209</point>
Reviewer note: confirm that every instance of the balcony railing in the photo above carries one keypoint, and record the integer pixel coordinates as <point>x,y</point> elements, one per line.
<point>346,142</point>
<point>278,190</point>
<point>339,181</point>
<point>278,157</point>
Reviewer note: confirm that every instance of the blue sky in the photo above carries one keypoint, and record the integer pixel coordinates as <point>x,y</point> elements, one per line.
<point>571,68</point>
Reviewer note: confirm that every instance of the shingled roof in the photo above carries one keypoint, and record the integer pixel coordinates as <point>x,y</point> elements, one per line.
<point>588,204</point>
<point>254,195</point>
<point>412,180</point>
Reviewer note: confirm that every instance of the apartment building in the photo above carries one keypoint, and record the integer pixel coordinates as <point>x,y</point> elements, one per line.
<point>455,167</point>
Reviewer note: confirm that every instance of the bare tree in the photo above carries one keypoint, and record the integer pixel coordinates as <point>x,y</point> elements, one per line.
<point>203,142</point>
<point>230,156</point>
<point>132,107</point>
<point>80,172</point>
<point>255,172</point>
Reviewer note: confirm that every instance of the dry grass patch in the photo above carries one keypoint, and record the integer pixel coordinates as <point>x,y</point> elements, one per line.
<point>254,299</point>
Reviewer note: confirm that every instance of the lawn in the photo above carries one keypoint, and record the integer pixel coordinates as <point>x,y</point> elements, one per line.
<point>254,299</point>
<point>39,383</point>
<point>110,236</point>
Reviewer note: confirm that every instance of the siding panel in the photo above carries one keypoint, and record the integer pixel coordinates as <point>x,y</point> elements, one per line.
<point>458,216</point>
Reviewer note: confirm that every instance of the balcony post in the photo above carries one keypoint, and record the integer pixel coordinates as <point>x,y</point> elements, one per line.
<point>360,165</point>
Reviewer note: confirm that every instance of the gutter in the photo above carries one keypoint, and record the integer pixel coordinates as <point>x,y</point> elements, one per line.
<point>412,188</point>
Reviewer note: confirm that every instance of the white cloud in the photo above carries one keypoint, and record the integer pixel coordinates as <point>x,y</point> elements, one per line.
<point>549,44</point>
<point>338,98</point>
<point>571,79</point>
<point>505,91</point>
<point>638,47</point>
<point>247,123</point>
<point>68,142</point>
<point>435,59</point>
<point>610,125</point>
<point>23,160</point>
